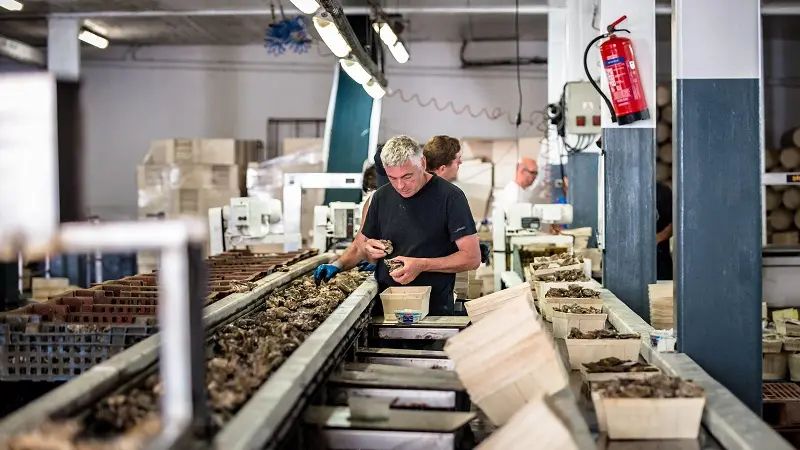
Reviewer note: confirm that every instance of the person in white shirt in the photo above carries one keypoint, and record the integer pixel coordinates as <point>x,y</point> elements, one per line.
<point>526,187</point>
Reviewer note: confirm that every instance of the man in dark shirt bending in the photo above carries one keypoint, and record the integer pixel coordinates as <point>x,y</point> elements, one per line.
<point>429,223</point>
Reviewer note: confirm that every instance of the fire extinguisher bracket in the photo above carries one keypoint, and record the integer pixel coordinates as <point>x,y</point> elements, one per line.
<point>627,103</point>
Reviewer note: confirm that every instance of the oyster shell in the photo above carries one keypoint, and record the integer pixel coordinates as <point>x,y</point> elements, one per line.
<point>657,386</point>
<point>577,309</point>
<point>387,245</point>
<point>575,333</point>
<point>393,264</point>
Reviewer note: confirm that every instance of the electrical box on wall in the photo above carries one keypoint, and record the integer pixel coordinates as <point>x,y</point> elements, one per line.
<point>581,108</point>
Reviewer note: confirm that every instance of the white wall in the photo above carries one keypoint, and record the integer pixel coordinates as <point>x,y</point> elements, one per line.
<point>131,98</point>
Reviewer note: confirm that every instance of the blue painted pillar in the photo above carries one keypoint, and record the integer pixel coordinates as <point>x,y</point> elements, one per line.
<point>349,130</point>
<point>717,145</point>
<point>629,206</point>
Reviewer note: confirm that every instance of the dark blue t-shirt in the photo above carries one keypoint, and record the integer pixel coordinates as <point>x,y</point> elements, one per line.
<point>426,225</point>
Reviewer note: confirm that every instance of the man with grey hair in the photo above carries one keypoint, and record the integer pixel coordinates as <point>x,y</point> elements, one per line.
<point>428,222</point>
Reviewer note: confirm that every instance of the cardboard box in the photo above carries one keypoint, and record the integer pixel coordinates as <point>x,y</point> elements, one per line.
<point>182,202</point>
<point>478,199</point>
<point>296,145</point>
<point>187,176</point>
<point>204,151</point>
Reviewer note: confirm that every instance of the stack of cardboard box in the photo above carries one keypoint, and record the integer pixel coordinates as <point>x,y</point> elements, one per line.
<point>489,165</point>
<point>186,177</point>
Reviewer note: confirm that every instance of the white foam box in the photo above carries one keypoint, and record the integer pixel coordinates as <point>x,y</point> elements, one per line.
<point>416,298</point>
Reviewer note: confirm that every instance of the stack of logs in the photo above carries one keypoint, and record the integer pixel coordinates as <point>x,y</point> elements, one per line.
<point>664,134</point>
<point>783,201</point>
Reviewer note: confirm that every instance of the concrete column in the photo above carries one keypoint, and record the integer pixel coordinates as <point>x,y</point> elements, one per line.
<point>63,48</point>
<point>629,168</point>
<point>717,144</point>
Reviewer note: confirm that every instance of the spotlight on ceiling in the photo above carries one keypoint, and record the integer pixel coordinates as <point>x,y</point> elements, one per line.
<point>374,89</point>
<point>93,39</point>
<point>331,35</point>
<point>11,5</point>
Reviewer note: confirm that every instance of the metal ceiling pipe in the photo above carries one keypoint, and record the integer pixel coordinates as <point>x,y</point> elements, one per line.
<point>523,10</point>
<point>786,9</point>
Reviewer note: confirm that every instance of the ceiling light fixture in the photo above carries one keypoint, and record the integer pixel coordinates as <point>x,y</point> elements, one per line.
<point>93,39</point>
<point>386,33</point>
<point>399,52</point>
<point>11,5</point>
<point>331,36</point>
<point>306,6</point>
<point>356,71</point>
<point>374,89</point>
<point>95,27</point>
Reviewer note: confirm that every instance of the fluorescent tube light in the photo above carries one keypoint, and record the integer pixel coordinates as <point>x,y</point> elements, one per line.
<point>386,33</point>
<point>399,52</point>
<point>306,6</point>
<point>332,37</point>
<point>11,5</point>
<point>374,89</point>
<point>93,39</point>
<point>356,71</point>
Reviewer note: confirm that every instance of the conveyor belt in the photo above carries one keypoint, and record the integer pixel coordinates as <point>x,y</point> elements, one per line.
<point>131,364</point>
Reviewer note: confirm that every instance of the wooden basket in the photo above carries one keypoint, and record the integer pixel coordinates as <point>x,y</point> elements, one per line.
<point>563,323</point>
<point>590,350</point>
<point>589,377</point>
<point>775,366</point>
<point>649,418</point>
<point>791,344</point>
<point>771,345</point>
<point>547,304</point>
<point>416,298</point>
<point>480,307</point>
<point>794,367</point>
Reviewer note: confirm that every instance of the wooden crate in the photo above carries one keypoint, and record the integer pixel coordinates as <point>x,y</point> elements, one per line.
<point>547,304</point>
<point>590,350</point>
<point>537,414</point>
<point>588,377</point>
<point>563,323</point>
<point>541,287</point>
<point>649,418</point>
<point>477,309</point>
<point>416,298</point>
<point>524,363</point>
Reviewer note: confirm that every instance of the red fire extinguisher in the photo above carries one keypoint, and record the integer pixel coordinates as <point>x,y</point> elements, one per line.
<point>627,104</point>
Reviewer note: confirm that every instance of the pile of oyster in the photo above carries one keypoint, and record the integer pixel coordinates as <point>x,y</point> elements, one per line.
<point>572,291</point>
<point>564,275</point>
<point>576,333</point>
<point>577,309</point>
<point>657,386</point>
<point>242,356</point>
<point>555,261</point>
<point>616,365</point>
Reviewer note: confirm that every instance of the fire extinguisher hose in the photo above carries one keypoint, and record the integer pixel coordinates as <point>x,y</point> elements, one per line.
<point>591,80</point>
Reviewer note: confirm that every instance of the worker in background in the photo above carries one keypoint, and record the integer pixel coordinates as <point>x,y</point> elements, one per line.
<point>443,156</point>
<point>663,231</point>
<point>429,223</point>
<point>526,187</point>
<point>325,272</point>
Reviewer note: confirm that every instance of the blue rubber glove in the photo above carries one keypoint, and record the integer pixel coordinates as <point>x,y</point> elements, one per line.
<point>325,272</point>
<point>365,266</point>
<point>485,254</point>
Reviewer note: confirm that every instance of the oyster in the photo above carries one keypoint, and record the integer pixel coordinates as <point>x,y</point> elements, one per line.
<point>387,245</point>
<point>600,334</point>
<point>657,386</point>
<point>577,309</point>
<point>572,291</point>
<point>393,264</point>
<point>564,275</point>
<point>616,365</point>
